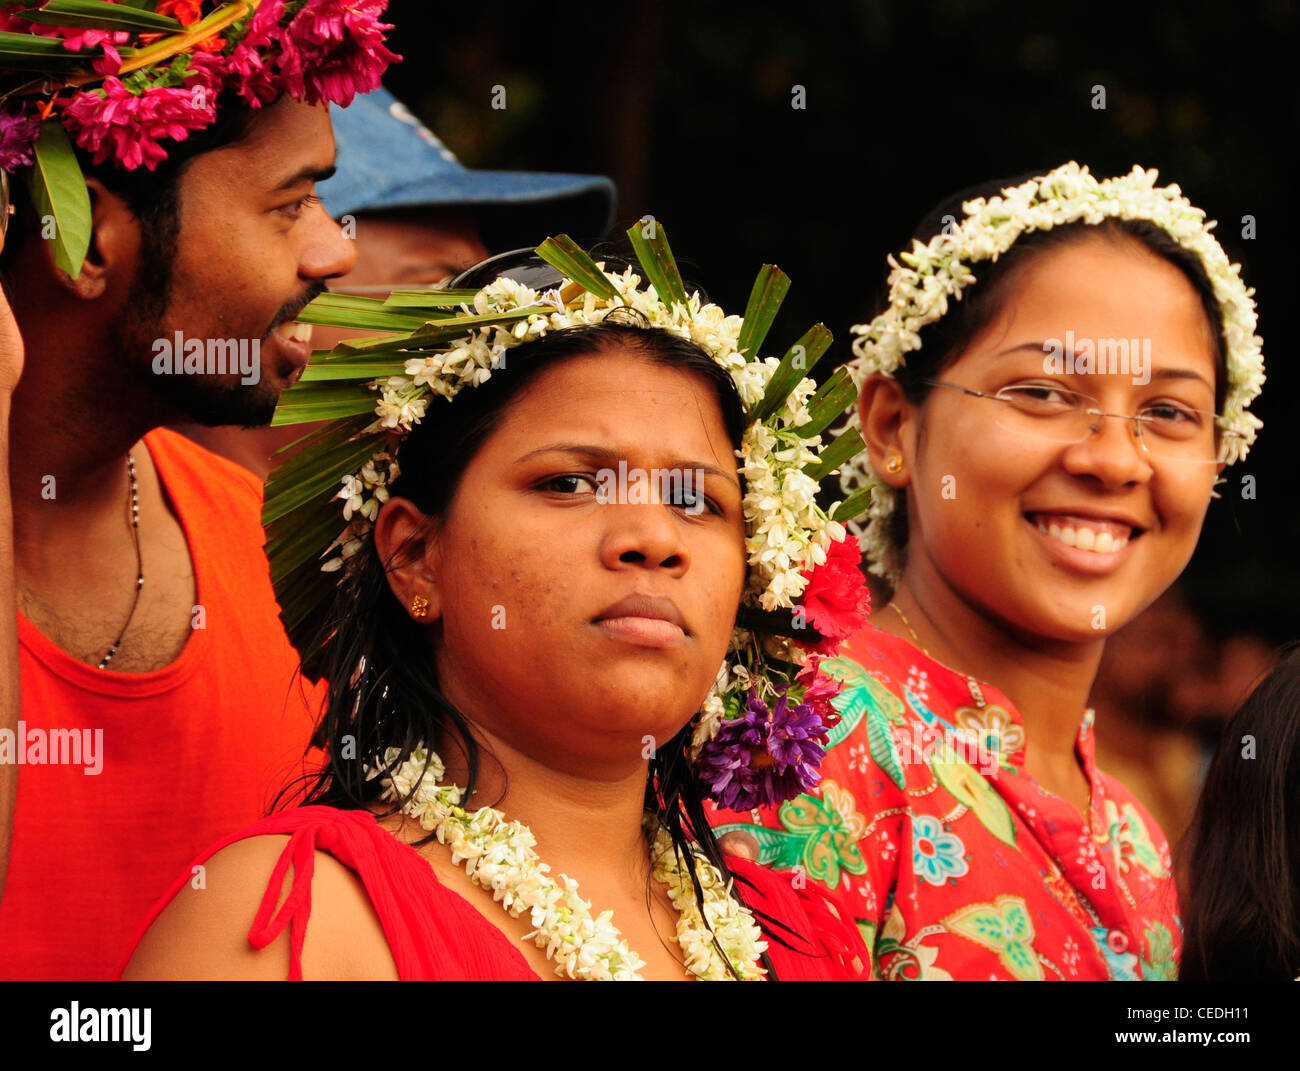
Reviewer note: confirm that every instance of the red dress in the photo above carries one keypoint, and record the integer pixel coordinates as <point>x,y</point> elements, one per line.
<point>435,934</point>
<point>954,861</point>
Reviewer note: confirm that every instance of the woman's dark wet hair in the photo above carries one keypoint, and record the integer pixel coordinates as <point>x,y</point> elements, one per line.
<point>1241,914</point>
<point>384,690</point>
<point>944,341</point>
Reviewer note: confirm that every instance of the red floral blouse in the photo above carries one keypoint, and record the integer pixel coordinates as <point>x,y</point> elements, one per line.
<point>955,863</point>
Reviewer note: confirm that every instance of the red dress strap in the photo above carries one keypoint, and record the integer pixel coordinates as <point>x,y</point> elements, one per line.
<point>301,853</point>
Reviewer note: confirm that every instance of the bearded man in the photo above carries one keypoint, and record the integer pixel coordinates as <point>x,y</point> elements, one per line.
<point>160,700</point>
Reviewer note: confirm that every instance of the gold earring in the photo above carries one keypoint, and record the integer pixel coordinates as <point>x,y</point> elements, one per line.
<point>894,464</point>
<point>420,606</point>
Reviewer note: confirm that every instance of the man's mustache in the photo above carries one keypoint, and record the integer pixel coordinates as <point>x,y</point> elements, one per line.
<point>290,310</point>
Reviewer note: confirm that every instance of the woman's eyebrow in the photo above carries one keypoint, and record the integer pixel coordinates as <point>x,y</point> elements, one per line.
<point>1180,373</point>
<point>608,458</point>
<point>1162,373</point>
<point>1037,347</point>
<point>713,470</point>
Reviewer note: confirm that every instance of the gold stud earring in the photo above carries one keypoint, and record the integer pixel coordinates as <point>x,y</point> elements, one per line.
<point>894,464</point>
<point>420,606</point>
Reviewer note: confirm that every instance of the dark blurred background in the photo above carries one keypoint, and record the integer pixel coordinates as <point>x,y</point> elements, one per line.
<point>690,108</point>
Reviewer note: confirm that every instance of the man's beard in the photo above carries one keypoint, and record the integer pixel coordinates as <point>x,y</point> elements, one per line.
<point>198,398</point>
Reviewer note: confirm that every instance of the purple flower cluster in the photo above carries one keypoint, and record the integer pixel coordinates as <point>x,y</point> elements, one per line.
<point>764,756</point>
<point>17,136</point>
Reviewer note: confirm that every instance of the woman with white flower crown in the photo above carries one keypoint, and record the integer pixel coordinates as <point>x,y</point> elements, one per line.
<point>1056,381</point>
<point>525,653</point>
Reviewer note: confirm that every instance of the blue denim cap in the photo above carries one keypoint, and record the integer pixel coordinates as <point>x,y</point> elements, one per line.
<point>387,160</point>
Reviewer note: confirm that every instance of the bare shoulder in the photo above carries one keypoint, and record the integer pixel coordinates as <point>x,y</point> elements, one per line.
<point>203,933</point>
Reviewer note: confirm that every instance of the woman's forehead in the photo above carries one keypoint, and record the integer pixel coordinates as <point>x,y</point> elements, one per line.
<point>623,402</point>
<point>1098,280</point>
<point>1097,296</point>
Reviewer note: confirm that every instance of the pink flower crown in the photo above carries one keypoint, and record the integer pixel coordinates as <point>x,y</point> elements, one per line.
<point>162,65</point>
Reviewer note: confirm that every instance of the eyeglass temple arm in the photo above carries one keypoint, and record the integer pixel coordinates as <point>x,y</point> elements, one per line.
<point>957,386</point>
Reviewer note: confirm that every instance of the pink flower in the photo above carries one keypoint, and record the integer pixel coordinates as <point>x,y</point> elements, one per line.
<point>264,26</point>
<point>819,690</point>
<point>116,123</point>
<point>75,39</point>
<point>78,39</point>
<point>836,601</point>
<point>329,51</point>
<point>333,50</point>
<point>325,51</point>
<point>245,71</point>
<point>110,62</point>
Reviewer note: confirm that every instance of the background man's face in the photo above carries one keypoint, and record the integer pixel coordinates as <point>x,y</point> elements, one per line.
<point>254,247</point>
<point>408,250</point>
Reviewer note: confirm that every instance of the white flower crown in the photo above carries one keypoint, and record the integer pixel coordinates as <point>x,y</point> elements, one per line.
<point>930,274</point>
<point>787,532</point>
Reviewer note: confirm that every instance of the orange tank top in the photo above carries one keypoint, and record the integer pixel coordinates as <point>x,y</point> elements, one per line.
<point>125,776</point>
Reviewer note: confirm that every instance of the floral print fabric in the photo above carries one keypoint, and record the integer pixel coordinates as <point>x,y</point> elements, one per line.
<point>954,862</point>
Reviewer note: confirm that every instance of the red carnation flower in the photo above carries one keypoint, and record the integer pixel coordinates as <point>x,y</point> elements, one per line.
<point>836,601</point>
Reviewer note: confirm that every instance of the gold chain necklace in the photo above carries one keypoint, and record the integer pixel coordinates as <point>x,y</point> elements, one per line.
<point>139,562</point>
<point>903,617</point>
<point>976,692</point>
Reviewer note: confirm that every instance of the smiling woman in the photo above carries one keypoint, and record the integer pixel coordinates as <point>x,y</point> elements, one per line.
<point>1030,501</point>
<point>511,639</point>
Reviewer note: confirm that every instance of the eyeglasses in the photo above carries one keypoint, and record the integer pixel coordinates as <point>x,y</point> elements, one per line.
<point>1166,430</point>
<point>524,266</point>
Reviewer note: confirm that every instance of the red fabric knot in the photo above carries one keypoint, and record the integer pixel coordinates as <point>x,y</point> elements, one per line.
<point>301,853</point>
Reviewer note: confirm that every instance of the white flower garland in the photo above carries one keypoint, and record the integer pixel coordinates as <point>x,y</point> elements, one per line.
<point>919,293</point>
<point>498,856</point>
